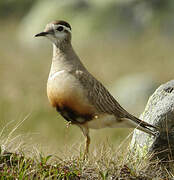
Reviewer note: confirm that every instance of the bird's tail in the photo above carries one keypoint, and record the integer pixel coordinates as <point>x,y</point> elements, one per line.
<point>142,125</point>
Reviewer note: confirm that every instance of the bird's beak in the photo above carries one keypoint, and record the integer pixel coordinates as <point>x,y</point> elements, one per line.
<point>41,34</point>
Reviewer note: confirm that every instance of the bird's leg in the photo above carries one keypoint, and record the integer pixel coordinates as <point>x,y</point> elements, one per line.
<point>87,144</point>
<point>85,131</point>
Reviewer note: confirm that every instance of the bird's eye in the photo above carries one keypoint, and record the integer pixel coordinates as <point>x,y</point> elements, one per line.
<point>60,28</point>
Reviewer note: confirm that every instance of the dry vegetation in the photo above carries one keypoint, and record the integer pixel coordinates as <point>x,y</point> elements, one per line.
<point>23,75</point>
<point>106,162</point>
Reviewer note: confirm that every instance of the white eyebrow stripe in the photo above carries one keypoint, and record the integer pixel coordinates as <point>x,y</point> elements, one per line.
<point>65,27</point>
<point>68,29</point>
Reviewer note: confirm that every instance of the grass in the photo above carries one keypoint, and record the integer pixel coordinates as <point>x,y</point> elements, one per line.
<point>103,164</point>
<point>21,160</point>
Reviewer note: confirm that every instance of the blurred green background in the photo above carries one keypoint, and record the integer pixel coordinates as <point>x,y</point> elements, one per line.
<point>126,44</point>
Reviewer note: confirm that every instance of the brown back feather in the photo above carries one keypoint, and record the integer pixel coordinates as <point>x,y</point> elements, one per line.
<point>99,96</point>
<point>104,102</point>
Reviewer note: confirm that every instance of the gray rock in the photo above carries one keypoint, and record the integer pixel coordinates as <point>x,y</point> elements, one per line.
<point>159,112</point>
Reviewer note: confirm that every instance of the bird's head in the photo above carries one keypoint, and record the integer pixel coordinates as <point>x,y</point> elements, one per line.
<point>57,32</point>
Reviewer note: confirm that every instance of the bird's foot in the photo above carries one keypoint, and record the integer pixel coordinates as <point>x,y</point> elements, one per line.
<point>68,124</point>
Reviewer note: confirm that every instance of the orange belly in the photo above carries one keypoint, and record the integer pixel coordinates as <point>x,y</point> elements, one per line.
<point>65,92</point>
<point>74,100</point>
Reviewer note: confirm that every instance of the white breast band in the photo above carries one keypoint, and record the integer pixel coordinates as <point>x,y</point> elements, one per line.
<point>52,76</point>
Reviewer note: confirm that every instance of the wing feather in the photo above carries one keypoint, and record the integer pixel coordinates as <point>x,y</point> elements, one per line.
<point>104,102</point>
<point>99,96</point>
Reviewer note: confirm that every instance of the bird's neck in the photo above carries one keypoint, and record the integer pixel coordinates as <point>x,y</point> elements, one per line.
<point>65,58</point>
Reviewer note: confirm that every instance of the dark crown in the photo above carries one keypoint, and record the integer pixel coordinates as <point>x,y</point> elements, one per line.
<point>61,22</point>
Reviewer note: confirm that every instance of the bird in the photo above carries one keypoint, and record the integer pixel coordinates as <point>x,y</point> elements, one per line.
<point>76,94</point>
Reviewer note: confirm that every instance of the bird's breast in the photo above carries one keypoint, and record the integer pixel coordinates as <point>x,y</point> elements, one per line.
<point>65,91</point>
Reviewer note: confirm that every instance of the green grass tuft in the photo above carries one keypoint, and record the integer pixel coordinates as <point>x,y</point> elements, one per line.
<point>103,164</point>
